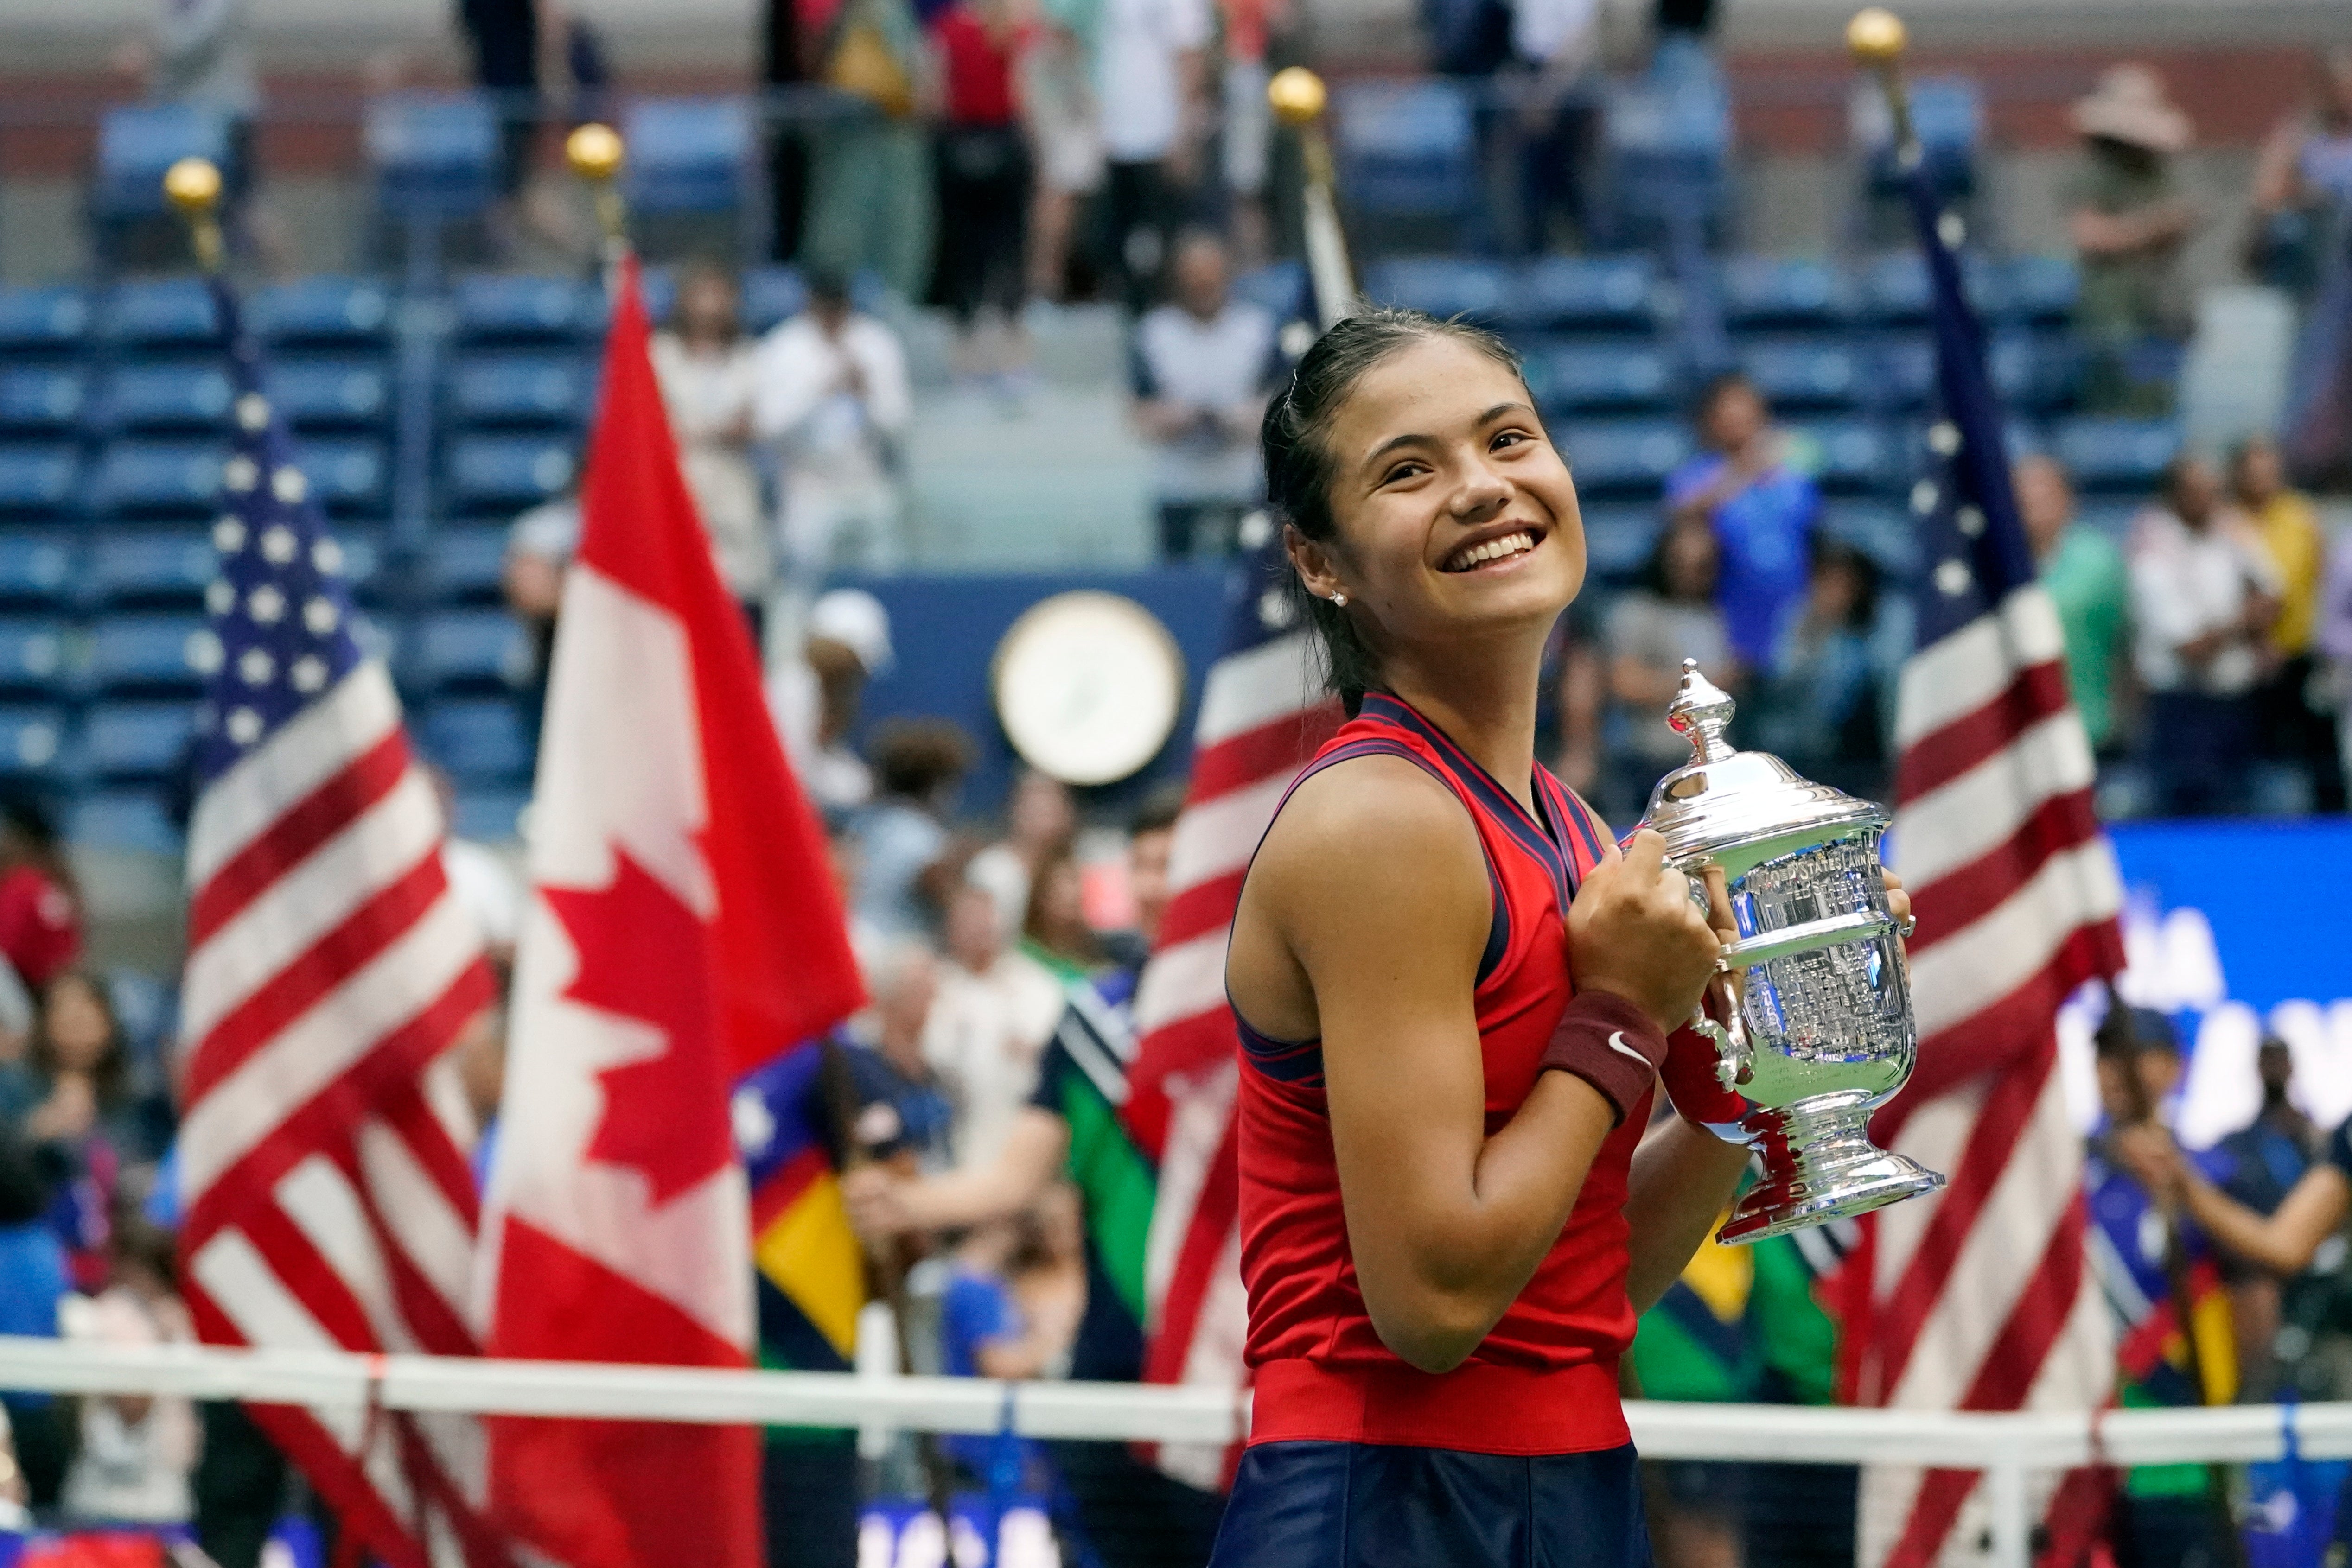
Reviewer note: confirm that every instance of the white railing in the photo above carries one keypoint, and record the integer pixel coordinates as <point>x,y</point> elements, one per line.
<point>2006,1447</point>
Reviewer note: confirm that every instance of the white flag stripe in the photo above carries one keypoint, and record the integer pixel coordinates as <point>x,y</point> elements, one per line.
<point>322,1206</point>
<point>1967,669</point>
<point>324,1043</point>
<point>1977,965</point>
<point>432,1235</point>
<point>374,850</point>
<point>1213,1360</point>
<point>1216,837</point>
<point>320,742</point>
<point>1246,691</point>
<point>1978,811</point>
<point>1934,1136</point>
<point>1183,979</point>
<point>243,1285</point>
<point>1196,1128</point>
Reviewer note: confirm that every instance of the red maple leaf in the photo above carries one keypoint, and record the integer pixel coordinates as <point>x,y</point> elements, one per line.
<point>644,955</point>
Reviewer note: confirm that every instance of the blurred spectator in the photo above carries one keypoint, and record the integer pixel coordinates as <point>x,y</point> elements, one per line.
<point>830,393</point>
<point>1670,617</point>
<point>2258,1165</point>
<point>2292,729</point>
<point>983,162</point>
<point>845,860</point>
<point>539,546</point>
<point>1064,119</point>
<point>815,697</point>
<point>1151,835</point>
<point>2204,598</point>
<point>2333,641</point>
<point>1576,664</point>
<point>504,37</point>
<point>1821,710</point>
<point>1152,65</point>
<point>996,1007</point>
<point>1202,365</point>
<point>137,1453</point>
<point>33,1281</point>
<point>41,901</point>
<point>870,198</point>
<point>2083,573</point>
<point>1552,94</point>
<point>15,1518</point>
<point>705,366</point>
<point>73,1100</point>
<point>1015,1296</point>
<point>1053,929</point>
<point>1763,511</point>
<point>918,763</point>
<point>1247,126</point>
<point>2302,240</point>
<point>481,877</point>
<point>2129,222</point>
<point>892,1032</point>
<point>479,1057</point>
<point>1039,821</point>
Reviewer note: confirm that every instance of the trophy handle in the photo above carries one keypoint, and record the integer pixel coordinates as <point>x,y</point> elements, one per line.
<point>1733,1056</point>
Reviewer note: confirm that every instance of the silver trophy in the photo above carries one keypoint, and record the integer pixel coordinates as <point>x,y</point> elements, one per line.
<point>1810,1013</point>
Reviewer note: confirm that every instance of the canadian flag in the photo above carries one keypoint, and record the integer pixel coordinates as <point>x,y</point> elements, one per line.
<point>684,930</point>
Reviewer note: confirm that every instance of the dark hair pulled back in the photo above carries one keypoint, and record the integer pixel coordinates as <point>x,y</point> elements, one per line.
<point>1298,462</point>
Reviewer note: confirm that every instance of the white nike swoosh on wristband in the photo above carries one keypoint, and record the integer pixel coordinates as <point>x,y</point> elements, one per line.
<point>1617,1043</point>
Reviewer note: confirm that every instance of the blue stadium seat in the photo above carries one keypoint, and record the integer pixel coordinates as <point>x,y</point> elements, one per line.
<point>137,142</point>
<point>1847,455</point>
<point>1618,539</point>
<point>1894,289</point>
<point>501,473</point>
<point>125,819</point>
<point>348,476</point>
<point>158,478</point>
<point>490,816</point>
<point>136,741</point>
<point>1666,142</point>
<point>1902,371</point>
<point>495,307</point>
<point>1774,291</point>
<point>151,652</point>
<point>2039,287</point>
<point>1278,288</point>
<point>774,294</point>
<point>161,313</point>
<point>38,481</point>
<point>343,312</point>
<point>688,154</point>
<point>476,650</point>
<point>1583,293</point>
<point>2033,371</point>
<point>479,741</point>
<point>49,321</point>
<point>329,394</point>
<point>435,154</point>
<point>1888,535</point>
<point>361,544</point>
<point>1623,456</point>
<point>151,568</point>
<point>2112,455</point>
<point>1946,118</point>
<point>1805,373</point>
<point>32,742</point>
<point>32,655</point>
<point>162,396</point>
<point>1580,375</point>
<point>522,389</point>
<point>463,566</point>
<point>39,400</point>
<point>35,570</point>
<point>1443,286</point>
<point>1406,147</point>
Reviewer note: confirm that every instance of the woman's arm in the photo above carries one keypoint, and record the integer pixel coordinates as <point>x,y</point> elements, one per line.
<point>1682,1176</point>
<point>2282,1241</point>
<point>1446,1223</point>
<point>882,1204</point>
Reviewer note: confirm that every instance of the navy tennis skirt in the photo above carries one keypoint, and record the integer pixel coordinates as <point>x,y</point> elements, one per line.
<point>1361,1505</point>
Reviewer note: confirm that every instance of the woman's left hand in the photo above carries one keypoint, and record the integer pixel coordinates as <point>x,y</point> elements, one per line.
<point>1898,904</point>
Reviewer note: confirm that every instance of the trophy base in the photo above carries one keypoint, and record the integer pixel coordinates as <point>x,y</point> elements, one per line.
<point>1835,1173</point>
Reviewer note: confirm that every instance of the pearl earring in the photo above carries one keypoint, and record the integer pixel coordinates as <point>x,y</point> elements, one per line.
<point>1340,598</point>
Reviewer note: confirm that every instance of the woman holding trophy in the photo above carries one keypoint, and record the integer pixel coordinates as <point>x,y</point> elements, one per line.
<point>1455,997</point>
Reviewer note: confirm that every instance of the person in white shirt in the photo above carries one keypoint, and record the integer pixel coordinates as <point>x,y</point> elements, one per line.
<point>995,1009</point>
<point>1151,74</point>
<point>137,1454</point>
<point>1202,367</point>
<point>815,695</point>
<point>829,391</point>
<point>1039,822</point>
<point>2203,595</point>
<point>704,363</point>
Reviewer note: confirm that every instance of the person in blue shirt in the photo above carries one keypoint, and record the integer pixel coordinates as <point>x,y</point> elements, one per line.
<point>1010,1311</point>
<point>1762,509</point>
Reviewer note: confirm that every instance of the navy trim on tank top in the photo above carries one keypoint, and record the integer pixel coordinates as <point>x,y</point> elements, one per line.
<point>1535,832</point>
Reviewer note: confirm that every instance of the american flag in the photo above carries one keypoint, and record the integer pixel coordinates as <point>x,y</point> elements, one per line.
<point>1981,1298</point>
<point>328,1203</point>
<point>1262,715</point>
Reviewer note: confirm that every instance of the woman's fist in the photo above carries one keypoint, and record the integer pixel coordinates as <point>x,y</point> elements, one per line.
<point>1635,930</point>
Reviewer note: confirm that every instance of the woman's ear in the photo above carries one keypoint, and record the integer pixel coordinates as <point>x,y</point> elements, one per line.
<point>1315,562</point>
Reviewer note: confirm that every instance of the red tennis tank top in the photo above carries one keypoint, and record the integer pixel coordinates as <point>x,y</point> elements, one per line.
<point>1544,1380</point>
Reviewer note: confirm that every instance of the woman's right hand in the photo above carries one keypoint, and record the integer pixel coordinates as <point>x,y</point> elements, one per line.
<point>876,1203</point>
<point>1634,931</point>
<point>67,1114</point>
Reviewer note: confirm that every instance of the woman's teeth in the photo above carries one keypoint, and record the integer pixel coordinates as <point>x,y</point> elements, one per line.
<point>1493,549</point>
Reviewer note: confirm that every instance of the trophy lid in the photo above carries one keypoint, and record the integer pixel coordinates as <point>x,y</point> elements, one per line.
<point>1725,796</point>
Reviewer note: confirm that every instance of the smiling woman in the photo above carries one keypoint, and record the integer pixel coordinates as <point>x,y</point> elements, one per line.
<point>1447,1228</point>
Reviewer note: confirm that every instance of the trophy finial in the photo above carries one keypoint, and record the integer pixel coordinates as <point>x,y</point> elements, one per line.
<point>1700,712</point>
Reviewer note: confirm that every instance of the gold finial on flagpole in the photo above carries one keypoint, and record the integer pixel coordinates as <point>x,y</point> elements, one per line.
<point>596,155</point>
<point>1298,98</point>
<point>193,186</point>
<point>1876,38</point>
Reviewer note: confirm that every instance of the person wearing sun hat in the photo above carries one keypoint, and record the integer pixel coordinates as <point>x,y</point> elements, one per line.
<point>2129,221</point>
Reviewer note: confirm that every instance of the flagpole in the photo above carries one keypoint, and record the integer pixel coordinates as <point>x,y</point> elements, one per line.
<point>597,154</point>
<point>1877,38</point>
<point>1298,97</point>
<point>193,186</point>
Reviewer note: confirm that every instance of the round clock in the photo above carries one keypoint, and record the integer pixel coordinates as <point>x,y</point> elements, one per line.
<point>1088,686</point>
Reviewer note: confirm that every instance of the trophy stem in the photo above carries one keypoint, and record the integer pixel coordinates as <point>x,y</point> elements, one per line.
<point>1820,1165</point>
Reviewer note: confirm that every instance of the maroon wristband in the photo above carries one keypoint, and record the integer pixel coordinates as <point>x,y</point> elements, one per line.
<point>1611,1044</point>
